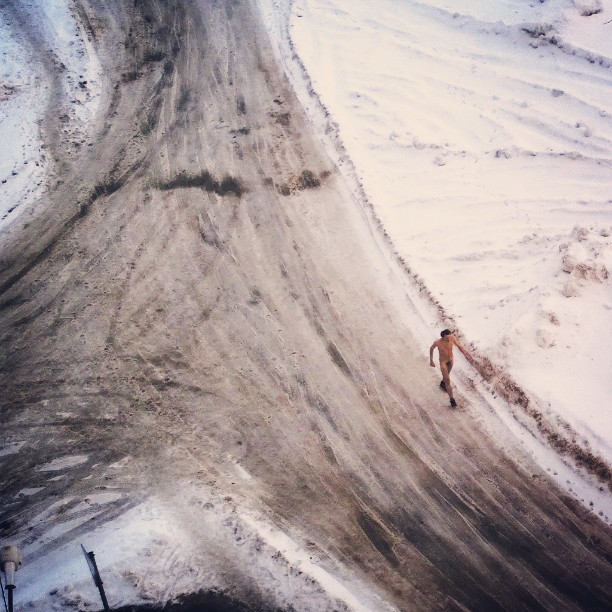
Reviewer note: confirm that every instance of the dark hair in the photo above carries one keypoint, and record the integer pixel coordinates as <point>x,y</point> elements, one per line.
<point>445,332</point>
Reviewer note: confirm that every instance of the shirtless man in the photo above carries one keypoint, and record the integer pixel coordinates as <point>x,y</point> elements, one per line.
<point>445,350</point>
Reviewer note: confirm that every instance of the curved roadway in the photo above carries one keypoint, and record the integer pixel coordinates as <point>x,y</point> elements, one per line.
<point>199,289</point>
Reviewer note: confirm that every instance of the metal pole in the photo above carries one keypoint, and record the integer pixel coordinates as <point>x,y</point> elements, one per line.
<point>98,581</point>
<point>10,560</point>
<point>93,568</point>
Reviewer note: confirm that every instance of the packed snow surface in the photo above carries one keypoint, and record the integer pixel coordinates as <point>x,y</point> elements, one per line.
<point>482,135</point>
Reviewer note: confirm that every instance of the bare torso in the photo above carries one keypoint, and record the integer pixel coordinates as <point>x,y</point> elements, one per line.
<point>445,348</point>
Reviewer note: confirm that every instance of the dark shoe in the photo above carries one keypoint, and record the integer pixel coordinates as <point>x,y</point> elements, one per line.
<point>442,386</point>
<point>453,403</point>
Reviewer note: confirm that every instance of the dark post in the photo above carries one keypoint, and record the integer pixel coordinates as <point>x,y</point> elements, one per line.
<point>93,568</point>
<point>10,560</point>
<point>9,590</point>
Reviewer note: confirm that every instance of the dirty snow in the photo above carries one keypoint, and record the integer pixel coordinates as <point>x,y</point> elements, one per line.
<point>62,463</point>
<point>149,555</point>
<point>11,448</point>
<point>26,85</point>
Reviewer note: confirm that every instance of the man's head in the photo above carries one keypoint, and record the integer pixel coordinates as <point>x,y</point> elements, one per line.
<point>445,332</point>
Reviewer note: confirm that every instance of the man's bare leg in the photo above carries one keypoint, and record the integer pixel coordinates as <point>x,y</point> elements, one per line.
<point>446,370</point>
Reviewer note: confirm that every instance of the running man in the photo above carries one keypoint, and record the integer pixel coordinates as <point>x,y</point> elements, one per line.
<point>445,351</point>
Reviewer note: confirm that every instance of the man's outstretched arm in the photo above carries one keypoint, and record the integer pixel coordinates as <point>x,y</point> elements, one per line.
<point>431,352</point>
<point>464,352</point>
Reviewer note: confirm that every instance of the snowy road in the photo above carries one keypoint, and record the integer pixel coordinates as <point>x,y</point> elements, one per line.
<point>203,336</point>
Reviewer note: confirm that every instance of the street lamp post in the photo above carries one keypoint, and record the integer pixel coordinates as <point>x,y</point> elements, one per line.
<point>10,560</point>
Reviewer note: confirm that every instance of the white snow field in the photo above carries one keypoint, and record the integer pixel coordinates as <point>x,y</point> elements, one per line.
<point>481,133</point>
